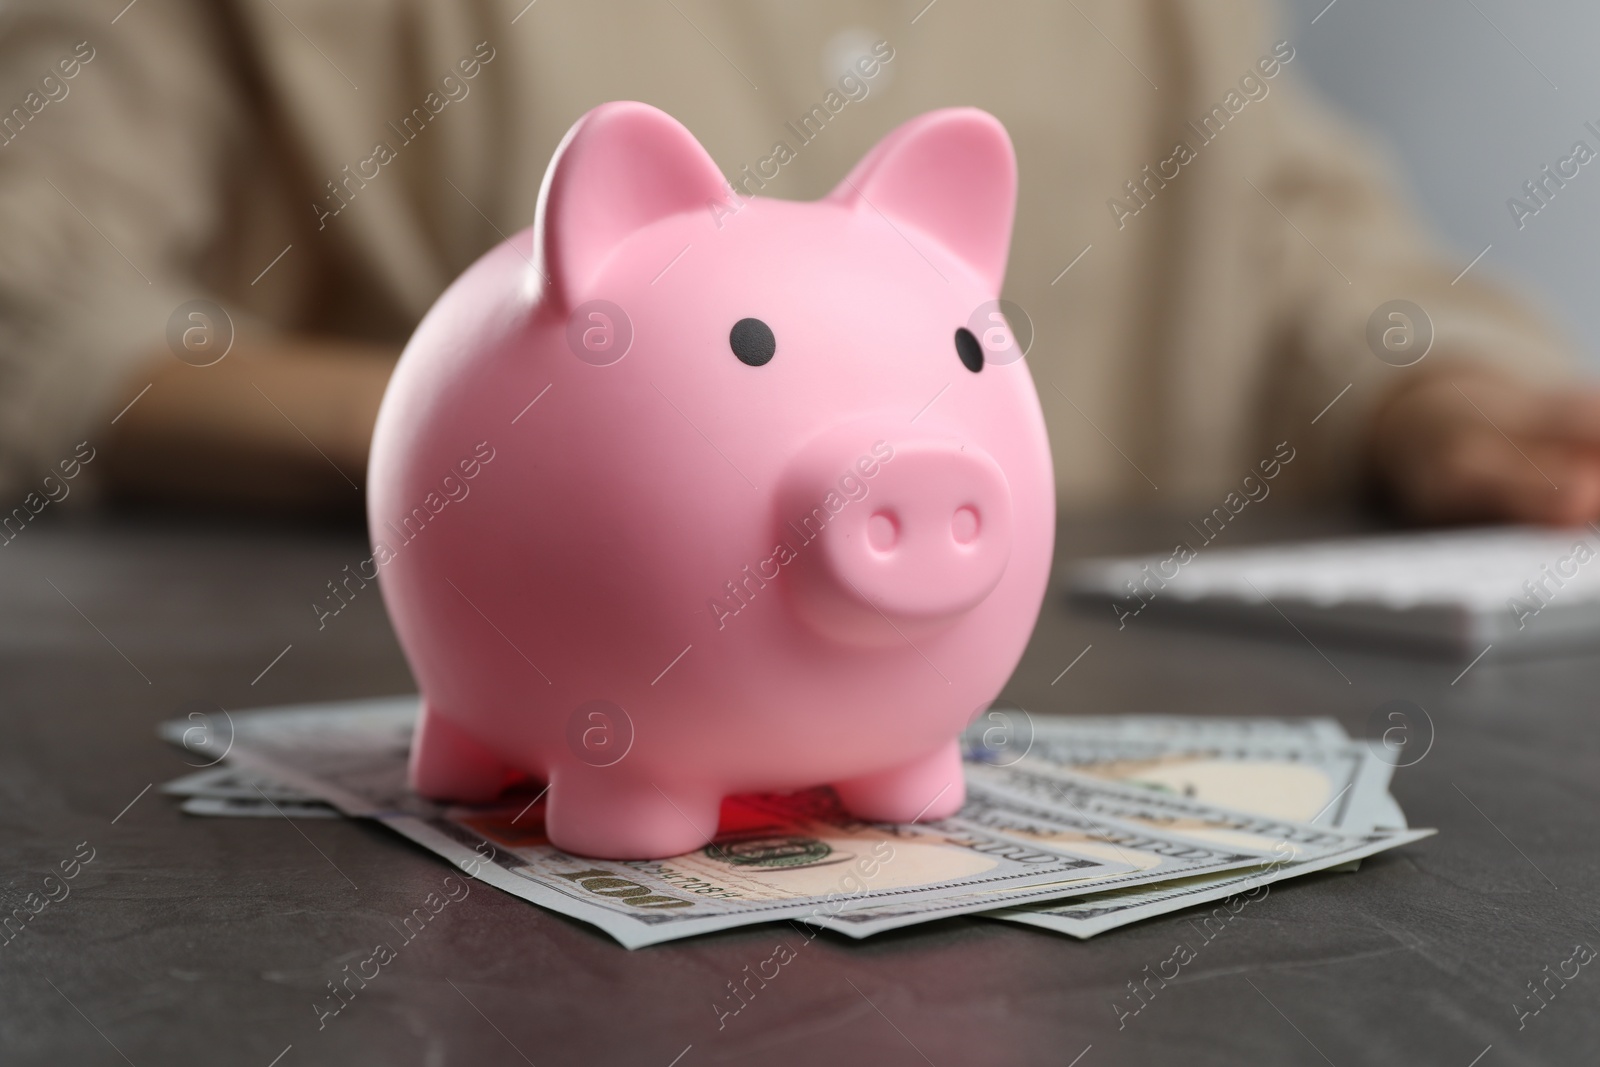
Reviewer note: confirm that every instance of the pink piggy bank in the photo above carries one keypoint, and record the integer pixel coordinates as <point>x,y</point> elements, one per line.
<point>686,492</point>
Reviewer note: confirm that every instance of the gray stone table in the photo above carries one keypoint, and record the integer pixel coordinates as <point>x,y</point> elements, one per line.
<point>206,941</point>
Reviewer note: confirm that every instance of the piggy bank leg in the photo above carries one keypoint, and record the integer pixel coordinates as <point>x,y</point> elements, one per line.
<point>446,764</point>
<point>607,814</point>
<point>932,787</point>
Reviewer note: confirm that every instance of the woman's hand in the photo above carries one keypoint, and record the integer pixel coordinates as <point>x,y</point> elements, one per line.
<point>1466,443</point>
<point>282,424</point>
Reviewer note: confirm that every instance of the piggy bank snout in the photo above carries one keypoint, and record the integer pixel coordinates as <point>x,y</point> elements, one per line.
<point>914,544</point>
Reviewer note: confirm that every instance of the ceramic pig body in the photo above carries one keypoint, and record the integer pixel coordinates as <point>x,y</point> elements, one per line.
<point>683,494</point>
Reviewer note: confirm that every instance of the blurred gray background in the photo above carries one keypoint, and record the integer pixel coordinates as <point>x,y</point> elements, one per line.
<point>1473,97</point>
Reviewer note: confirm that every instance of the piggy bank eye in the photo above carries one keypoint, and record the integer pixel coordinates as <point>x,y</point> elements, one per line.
<point>752,341</point>
<point>969,350</point>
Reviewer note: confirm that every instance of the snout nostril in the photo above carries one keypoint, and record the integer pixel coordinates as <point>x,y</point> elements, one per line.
<point>883,531</point>
<point>964,524</point>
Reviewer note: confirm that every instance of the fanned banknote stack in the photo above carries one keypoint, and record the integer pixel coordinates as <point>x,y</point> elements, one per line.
<point>1077,825</point>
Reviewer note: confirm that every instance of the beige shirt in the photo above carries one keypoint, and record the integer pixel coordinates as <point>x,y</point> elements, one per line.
<point>1199,247</point>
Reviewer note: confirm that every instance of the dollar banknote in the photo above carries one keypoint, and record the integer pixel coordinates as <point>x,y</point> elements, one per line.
<point>1007,726</point>
<point>1059,839</point>
<point>1301,769</point>
<point>1184,852</point>
<point>1157,809</point>
<point>227,782</point>
<point>1187,756</point>
<point>1095,913</point>
<point>797,857</point>
<point>237,807</point>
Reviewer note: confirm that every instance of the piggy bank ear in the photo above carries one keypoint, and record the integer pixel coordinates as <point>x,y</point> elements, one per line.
<point>621,167</point>
<point>953,176</point>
